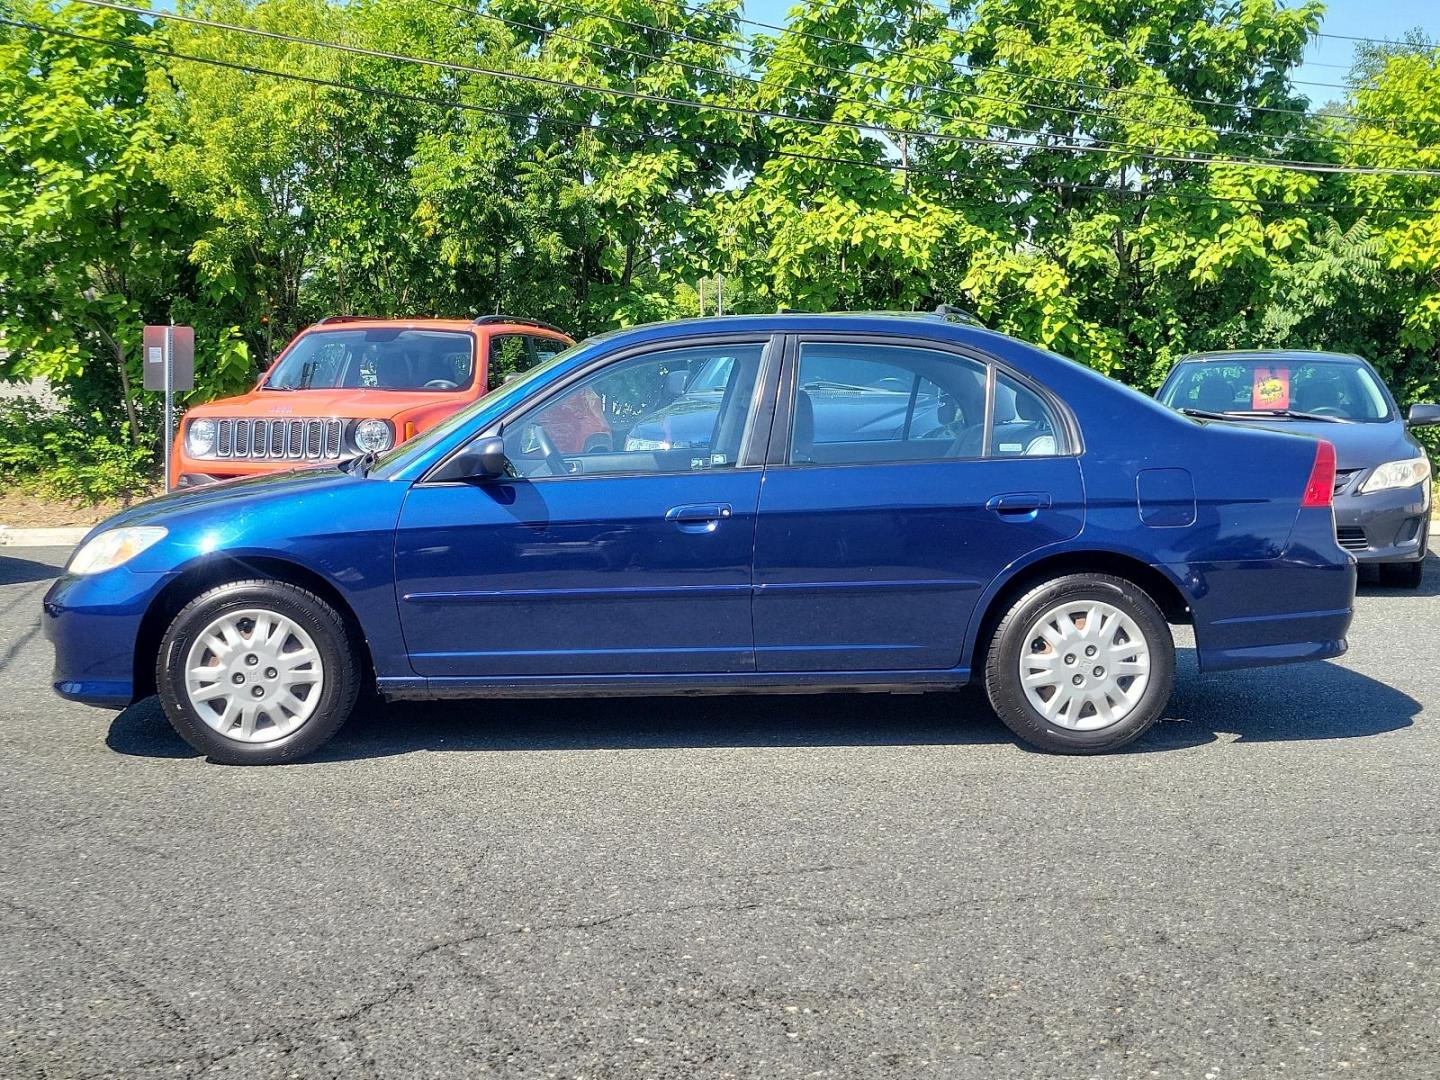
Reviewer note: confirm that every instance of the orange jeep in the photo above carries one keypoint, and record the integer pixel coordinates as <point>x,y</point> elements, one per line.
<point>351,384</point>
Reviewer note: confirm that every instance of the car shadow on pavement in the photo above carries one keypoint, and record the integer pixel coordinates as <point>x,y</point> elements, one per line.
<point>16,571</point>
<point>1312,701</point>
<point>1369,583</point>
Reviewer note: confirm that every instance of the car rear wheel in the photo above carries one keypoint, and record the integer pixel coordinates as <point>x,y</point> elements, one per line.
<point>1081,664</point>
<point>257,673</point>
<point>1407,575</point>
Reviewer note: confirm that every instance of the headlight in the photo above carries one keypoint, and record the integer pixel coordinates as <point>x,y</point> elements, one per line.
<point>1397,474</point>
<point>114,548</point>
<point>634,443</point>
<point>372,436</point>
<point>200,437</point>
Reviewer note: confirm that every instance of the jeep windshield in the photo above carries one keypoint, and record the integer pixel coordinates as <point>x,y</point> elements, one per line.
<point>376,359</point>
<point>1277,388</point>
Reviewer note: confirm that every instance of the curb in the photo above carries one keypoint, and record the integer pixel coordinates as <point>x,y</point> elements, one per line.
<point>67,537</point>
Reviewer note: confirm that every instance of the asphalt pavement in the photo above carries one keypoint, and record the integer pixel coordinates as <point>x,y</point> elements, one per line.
<point>826,886</point>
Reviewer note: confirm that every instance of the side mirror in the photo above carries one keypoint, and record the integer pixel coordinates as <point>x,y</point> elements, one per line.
<point>675,383</point>
<point>1424,415</point>
<point>483,459</point>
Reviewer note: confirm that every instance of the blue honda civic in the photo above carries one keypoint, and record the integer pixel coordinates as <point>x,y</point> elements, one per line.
<point>782,503</point>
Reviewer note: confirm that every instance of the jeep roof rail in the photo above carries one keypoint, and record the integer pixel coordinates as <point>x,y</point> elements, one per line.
<point>487,320</point>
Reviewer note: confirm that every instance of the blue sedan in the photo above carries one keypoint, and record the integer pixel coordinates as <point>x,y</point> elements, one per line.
<point>781,503</point>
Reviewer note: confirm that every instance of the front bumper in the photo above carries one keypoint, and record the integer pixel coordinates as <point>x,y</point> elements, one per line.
<point>94,623</point>
<point>1384,526</point>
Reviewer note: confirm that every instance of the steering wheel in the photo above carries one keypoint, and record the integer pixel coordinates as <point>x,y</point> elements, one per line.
<point>1327,410</point>
<point>893,382</point>
<point>441,384</point>
<point>546,445</point>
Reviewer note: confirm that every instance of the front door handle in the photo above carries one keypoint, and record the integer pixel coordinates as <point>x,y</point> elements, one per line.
<point>698,517</point>
<point>1019,502</point>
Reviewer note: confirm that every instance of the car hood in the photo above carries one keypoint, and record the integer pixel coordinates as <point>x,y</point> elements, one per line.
<point>233,498</point>
<point>343,402</point>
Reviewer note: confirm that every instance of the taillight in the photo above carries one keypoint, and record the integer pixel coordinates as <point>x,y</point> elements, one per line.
<point>1320,490</point>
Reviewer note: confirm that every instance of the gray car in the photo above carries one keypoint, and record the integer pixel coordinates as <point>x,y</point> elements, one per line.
<point>1382,477</point>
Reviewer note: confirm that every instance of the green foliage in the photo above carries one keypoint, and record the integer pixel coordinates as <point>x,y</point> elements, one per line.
<point>139,187</point>
<point>69,456</point>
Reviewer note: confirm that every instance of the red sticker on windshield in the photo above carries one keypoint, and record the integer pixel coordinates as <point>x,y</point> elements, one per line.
<point>1271,389</point>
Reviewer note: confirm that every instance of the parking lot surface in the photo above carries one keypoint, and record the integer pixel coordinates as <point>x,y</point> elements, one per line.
<point>856,886</point>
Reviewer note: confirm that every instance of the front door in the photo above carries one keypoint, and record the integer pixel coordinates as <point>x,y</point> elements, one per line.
<point>908,478</point>
<point>622,546</point>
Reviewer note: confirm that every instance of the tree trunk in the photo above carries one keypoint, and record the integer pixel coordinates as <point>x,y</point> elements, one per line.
<point>130,416</point>
<point>629,264</point>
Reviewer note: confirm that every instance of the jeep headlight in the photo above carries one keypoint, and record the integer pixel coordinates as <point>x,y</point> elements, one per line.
<point>200,437</point>
<point>1397,474</point>
<point>113,548</point>
<point>373,436</point>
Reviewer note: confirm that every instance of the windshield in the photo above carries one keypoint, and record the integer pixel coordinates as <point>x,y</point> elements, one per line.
<point>1284,386</point>
<point>376,359</point>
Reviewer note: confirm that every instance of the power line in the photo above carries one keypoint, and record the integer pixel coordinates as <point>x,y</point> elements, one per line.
<point>1012,21</point>
<point>982,68</point>
<point>1171,157</point>
<point>1096,114</point>
<point>537,118</point>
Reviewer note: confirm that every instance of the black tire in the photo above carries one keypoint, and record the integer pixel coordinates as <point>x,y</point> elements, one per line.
<point>341,666</point>
<point>1405,575</point>
<point>1002,664</point>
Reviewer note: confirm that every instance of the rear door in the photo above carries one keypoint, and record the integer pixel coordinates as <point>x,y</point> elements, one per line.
<point>902,478</point>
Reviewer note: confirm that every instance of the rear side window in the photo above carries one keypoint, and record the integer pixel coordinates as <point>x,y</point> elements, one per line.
<point>863,403</point>
<point>510,355</point>
<point>1024,425</point>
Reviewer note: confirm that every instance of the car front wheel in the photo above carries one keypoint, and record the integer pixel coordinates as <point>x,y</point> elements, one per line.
<point>257,673</point>
<point>1081,664</point>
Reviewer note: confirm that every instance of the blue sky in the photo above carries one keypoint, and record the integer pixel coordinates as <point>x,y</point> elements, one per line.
<point>1364,18</point>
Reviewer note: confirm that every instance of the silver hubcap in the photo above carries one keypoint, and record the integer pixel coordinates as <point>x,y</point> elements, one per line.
<point>254,676</point>
<point>1085,665</point>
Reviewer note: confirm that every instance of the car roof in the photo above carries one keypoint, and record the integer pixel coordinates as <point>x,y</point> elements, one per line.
<point>1297,355</point>
<point>920,323</point>
<point>491,323</point>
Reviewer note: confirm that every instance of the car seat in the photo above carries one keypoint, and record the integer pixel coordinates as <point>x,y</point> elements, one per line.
<point>1215,395</point>
<point>1321,394</point>
<point>392,370</point>
<point>1038,438</point>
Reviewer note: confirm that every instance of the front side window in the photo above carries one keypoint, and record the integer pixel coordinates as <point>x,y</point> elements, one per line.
<point>866,403</point>
<point>661,412</point>
<point>510,355</point>
<point>376,358</point>
<point>546,347</point>
<point>1282,388</point>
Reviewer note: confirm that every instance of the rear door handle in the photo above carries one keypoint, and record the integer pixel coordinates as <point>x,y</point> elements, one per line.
<point>698,517</point>
<point>1019,502</point>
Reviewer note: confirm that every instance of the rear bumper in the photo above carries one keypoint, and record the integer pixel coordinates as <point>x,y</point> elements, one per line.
<point>1257,613</point>
<point>1386,526</point>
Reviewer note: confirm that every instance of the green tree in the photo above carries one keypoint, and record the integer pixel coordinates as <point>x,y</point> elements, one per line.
<point>91,243</point>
